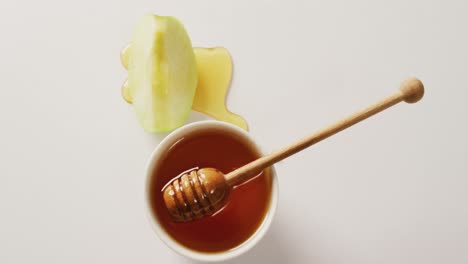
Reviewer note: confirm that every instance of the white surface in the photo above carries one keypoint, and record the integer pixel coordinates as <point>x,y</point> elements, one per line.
<point>391,190</point>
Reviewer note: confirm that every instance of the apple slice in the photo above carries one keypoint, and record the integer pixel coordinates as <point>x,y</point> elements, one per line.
<point>162,73</point>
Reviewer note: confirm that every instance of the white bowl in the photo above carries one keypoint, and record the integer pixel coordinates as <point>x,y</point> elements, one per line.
<point>168,240</point>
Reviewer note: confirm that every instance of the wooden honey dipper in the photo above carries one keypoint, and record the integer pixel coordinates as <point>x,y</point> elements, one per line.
<point>201,192</point>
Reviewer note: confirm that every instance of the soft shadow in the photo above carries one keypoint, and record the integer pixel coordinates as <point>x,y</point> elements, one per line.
<point>155,138</point>
<point>196,116</point>
<point>273,248</point>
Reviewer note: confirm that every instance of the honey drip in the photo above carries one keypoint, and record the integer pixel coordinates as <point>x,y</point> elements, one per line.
<point>214,79</point>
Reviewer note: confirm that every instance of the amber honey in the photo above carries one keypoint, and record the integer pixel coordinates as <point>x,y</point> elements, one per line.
<point>245,207</point>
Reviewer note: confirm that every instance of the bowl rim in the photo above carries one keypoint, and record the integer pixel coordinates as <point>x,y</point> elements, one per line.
<point>253,240</point>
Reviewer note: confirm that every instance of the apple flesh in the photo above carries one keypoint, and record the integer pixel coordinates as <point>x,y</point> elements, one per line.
<point>162,73</point>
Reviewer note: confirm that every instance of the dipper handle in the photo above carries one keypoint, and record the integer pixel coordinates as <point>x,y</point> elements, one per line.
<point>411,91</point>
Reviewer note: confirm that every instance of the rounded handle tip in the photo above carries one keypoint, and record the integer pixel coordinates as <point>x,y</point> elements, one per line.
<point>412,90</point>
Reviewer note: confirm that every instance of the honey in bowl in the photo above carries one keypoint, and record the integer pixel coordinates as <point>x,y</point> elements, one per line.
<point>246,204</point>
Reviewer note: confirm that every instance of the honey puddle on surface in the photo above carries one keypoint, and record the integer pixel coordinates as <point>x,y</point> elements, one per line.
<point>214,80</point>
